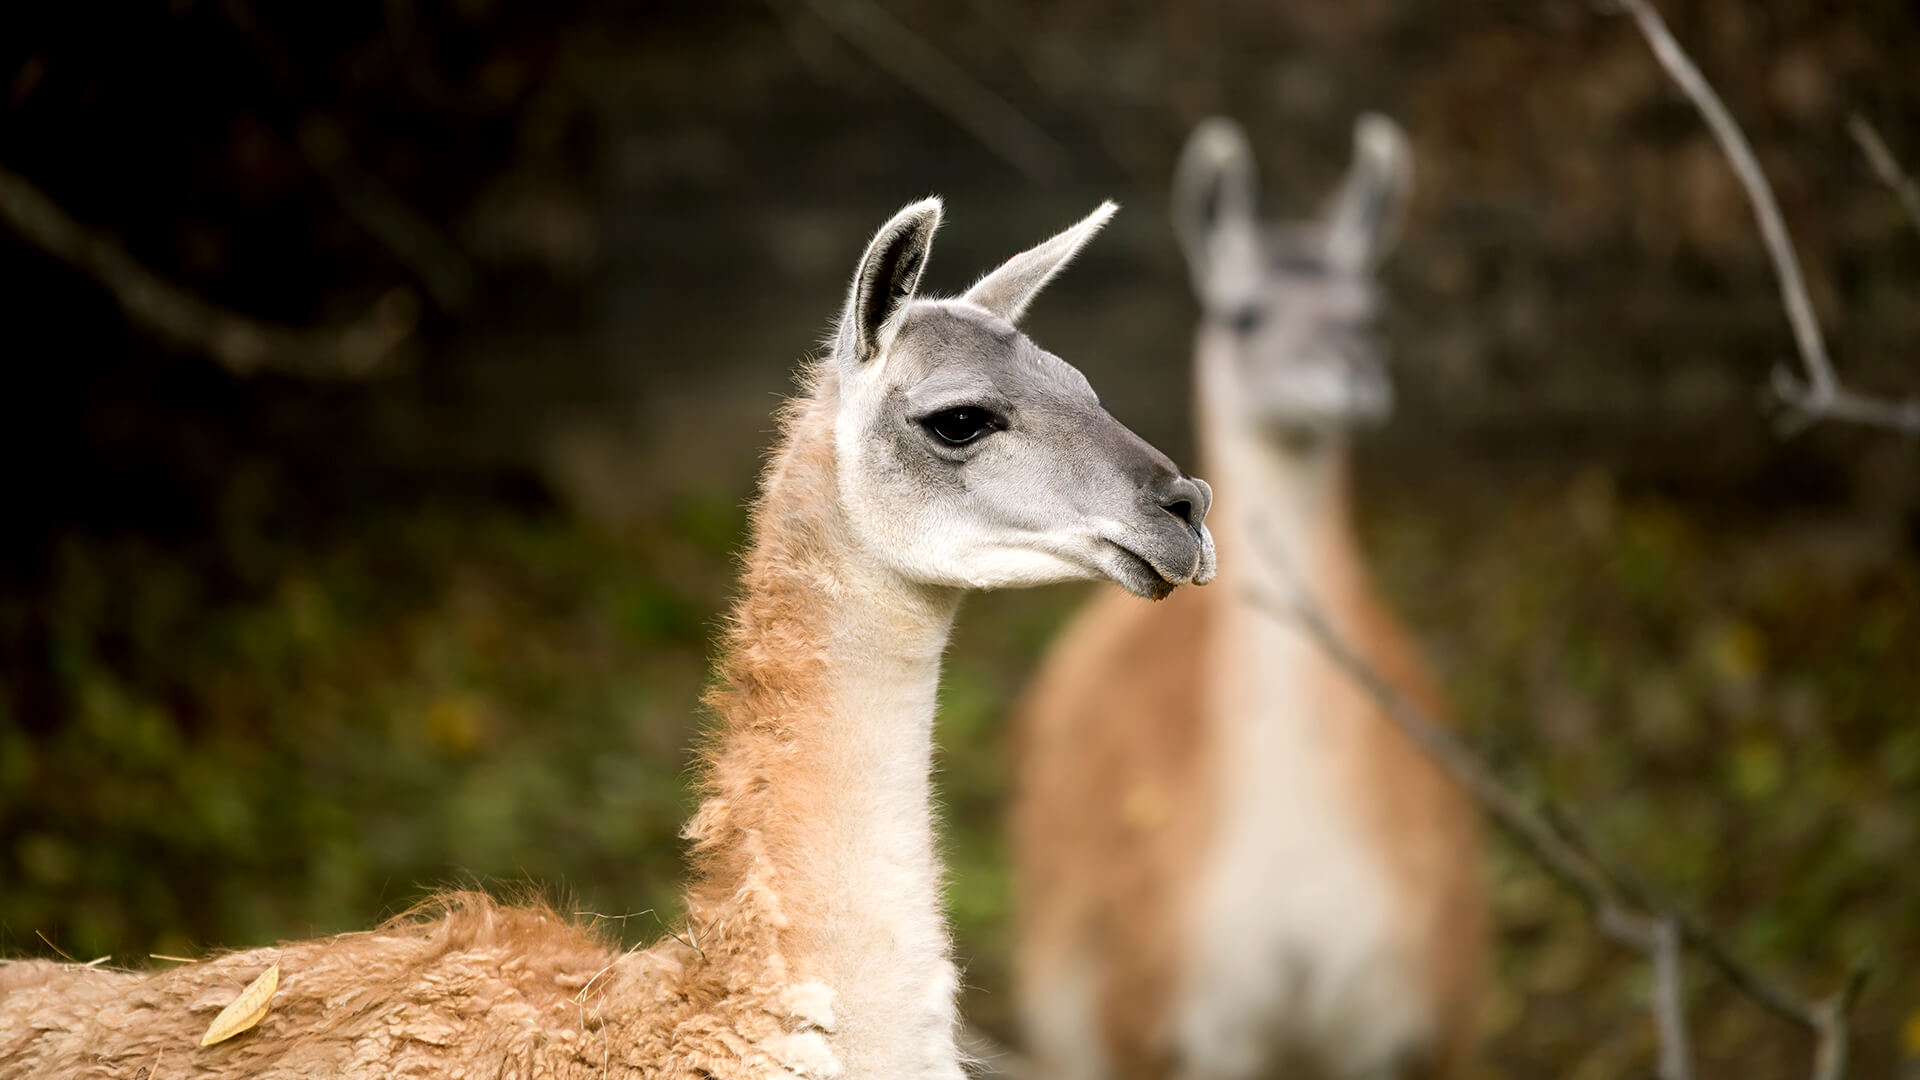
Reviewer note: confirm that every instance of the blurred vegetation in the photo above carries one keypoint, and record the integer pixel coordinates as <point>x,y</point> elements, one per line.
<point>277,658</point>
<point>291,734</point>
<point>1726,700</point>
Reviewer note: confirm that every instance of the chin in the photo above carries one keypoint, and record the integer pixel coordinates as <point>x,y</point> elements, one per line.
<point>1160,589</point>
<point>1021,569</point>
<point>1135,574</point>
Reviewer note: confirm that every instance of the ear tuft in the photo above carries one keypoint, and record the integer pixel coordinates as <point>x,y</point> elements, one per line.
<point>1008,290</point>
<point>1368,211</point>
<point>888,276</point>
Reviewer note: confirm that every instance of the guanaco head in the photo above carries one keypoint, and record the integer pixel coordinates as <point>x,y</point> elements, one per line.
<point>969,456</point>
<point>1288,308</point>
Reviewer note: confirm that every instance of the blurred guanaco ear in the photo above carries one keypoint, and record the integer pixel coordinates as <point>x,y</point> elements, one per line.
<point>1009,289</point>
<point>1367,212</point>
<point>1214,191</point>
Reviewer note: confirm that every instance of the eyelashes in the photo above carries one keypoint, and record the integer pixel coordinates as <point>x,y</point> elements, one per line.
<point>960,426</point>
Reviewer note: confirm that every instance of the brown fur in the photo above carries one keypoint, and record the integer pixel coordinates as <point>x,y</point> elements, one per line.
<point>476,989</point>
<point>1104,817</point>
<point>1116,748</point>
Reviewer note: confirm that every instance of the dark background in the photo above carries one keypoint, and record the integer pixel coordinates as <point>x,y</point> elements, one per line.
<point>280,654</point>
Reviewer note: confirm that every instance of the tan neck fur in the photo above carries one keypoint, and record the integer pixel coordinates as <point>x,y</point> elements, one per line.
<point>819,780</point>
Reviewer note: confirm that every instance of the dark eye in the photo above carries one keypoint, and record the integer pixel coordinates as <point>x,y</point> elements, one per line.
<point>961,426</point>
<point>1246,320</point>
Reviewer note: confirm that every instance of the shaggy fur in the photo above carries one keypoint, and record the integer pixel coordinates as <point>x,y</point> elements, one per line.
<point>472,988</point>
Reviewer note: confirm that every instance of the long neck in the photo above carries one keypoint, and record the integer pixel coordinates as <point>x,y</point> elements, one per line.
<point>820,780</point>
<point>1280,494</point>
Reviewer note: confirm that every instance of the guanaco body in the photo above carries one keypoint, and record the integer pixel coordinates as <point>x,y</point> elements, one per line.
<point>1230,864</point>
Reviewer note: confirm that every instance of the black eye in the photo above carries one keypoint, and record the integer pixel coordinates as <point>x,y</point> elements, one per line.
<point>961,426</point>
<point>1245,320</point>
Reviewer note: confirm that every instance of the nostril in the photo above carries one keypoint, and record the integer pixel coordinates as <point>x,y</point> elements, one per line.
<point>1187,500</point>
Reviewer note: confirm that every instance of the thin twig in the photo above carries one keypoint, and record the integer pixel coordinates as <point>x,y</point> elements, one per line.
<point>419,245</point>
<point>1830,1057</point>
<point>1820,395</point>
<point>1622,912</point>
<point>946,86</point>
<point>1670,1000</point>
<point>1884,166</point>
<point>367,346</point>
<point>1011,24</point>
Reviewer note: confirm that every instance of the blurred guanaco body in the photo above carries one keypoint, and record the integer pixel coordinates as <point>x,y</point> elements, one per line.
<point>1230,865</point>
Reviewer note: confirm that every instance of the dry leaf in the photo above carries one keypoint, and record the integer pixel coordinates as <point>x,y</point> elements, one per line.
<point>246,1010</point>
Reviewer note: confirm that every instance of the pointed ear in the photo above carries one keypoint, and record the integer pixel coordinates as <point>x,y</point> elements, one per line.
<point>888,275</point>
<point>1371,205</point>
<point>1008,290</point>
<point>1214,191</point>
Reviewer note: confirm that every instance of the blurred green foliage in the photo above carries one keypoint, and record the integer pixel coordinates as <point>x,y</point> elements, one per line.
<point>286,734</point>
<point>345,722</point>
<point>1725,699</point>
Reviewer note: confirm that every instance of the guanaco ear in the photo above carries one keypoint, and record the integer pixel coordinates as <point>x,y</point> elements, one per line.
<point>1008,290</point>
<point>1214,191</point>
<point>888,275</point>
<point>1371,205</point>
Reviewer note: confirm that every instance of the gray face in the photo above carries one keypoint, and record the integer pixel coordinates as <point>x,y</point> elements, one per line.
<point>1289,310</point>
<point>1302,341</point>
<point>971,457</point>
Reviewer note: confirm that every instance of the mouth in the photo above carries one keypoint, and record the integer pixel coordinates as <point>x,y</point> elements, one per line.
<point>1137,575</point>
<point>1161,569</point>
<point>1330,395</point>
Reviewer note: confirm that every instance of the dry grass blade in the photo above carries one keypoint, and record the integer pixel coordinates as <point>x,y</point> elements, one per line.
<point>64,954</point>
<point>246,1010</point>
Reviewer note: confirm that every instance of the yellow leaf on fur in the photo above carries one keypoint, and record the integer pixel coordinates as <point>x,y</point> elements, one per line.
<point>246,1010</point>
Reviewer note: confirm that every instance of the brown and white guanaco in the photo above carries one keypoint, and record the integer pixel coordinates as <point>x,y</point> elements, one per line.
<point>1229,863</point>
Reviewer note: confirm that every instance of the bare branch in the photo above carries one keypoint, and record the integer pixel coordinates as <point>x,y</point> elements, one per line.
<point>410,238</point>
<point>1820,396</point>
<point>1808,404</point>
<point>946,86</point>
<point>1622,912</point>
<point>368,346</point>
<point>1889,171</point>
<point>1830,1055</point>
<point>419,245</point>
<point>1670,1001</point>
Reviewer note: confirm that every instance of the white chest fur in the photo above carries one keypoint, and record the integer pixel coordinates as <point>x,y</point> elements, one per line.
<point>1295,947</point>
